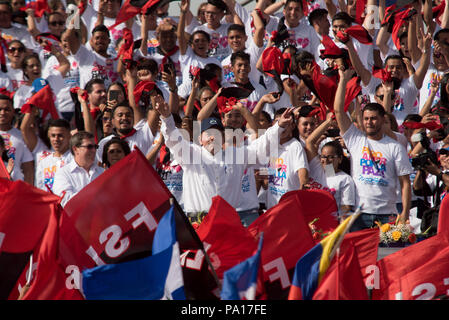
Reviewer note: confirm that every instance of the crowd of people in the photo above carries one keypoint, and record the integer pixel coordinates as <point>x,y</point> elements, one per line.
<point>311,94</point>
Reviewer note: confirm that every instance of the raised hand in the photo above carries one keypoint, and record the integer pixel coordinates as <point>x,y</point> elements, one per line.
<point>162,107</point>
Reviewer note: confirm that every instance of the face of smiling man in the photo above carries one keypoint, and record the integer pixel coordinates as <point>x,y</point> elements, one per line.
<point>123,120</point>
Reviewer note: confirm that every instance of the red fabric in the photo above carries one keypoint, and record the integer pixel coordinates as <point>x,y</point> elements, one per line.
<point>342,280</point>
<point>382,74</point>
<point>128,11</point>
<point>3,49</point>
<point>131,133</point>
<point>225,105</point>
<point>415,272</point>
<point>126,50</point>
<point>365,243</point>
<point>432,125</point>
<point>25,211</point>
<point>7,93</point>
<point>81,7</point>
<point>43,99</point>
<point>50,280</point>
<point>230,242</point>
<point>359,33</point>
<point>399,21</point>
<point>133,215</point>
<point>141,87</point>
<point>287,237</point>
<point>438,11</point>
<point>353,89</point>
<point>443,217</point>
<point>74,90</point>
<point>3,171</point>
<point>39,7</point>
<point>359,11</point>
<point>168,55</point>
<point>324,86</point>
<point>320,204</point>
<point>330,48</point>
<point>272,61</point>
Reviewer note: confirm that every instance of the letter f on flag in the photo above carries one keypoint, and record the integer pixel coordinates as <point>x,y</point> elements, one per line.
<point>240,282</point>
<point>158,276</point>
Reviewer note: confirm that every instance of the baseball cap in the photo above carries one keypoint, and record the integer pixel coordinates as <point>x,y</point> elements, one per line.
<point>444,151</point>
<point>211,123</point>
<point>38,84</point>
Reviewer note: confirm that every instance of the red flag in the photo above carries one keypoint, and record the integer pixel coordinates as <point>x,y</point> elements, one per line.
<point>366,243</point>
<point>113,219</point>
<point>43,99</point>
<point>431,125</point>
<point>287,237</point>
<point>39,7</point>
<point>51,279</point>
<point>443,216</point>
<point>359,11</point>
<point>230,242</point>
<point>25,211</point>
<point>343,280</point>
<point>359,33</point>
<point>317,204</point>
<point>3,171</point>
<point>438,11</point>
<point>415,272</point>
<point>142,86</point>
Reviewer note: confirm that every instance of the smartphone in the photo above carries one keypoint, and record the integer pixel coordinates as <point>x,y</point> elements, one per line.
<point>275,95</point>
<point>166,68</point>
<point>113,95</point>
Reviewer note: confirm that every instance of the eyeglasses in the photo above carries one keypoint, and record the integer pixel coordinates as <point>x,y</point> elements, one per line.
<point>56,23</point>
<point>330,157</point>
<point>18,49</point>
<point>90,146</point>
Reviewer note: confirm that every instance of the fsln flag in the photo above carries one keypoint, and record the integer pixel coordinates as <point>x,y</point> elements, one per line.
<point>311,268</point>
<point>155,277</point>
<point>240,282</point>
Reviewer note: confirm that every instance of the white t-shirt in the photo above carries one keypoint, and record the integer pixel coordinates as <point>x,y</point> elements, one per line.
<point>303,36</point>
<point>158,57</point>
<point>21,34</point>
<point>254,51</point>
<point>16,76</point>
<point>376,166</point>
<point>283,171</point>
<point>5,82</point>
<point>92,65</point>
<point>432,74</point>
<point>218,47</point>
<point>190,63</point>
<point>143,139</point>
<point>406,101</point>
<point>343,188</point>
<point>47,167</point>
<point>251,101</point>
<point>17,150</point>
<point>71,79</point>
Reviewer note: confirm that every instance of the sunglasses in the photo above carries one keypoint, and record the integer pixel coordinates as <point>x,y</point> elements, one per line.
<point>18,49</point>
<point>90,146</point>
<point>56,23</point>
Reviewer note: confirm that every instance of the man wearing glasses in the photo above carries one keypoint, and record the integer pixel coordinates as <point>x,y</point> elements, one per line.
<point>70,179</point>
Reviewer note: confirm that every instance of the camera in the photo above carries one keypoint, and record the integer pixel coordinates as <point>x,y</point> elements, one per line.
<point>332,133</point>
<point>421,160</point>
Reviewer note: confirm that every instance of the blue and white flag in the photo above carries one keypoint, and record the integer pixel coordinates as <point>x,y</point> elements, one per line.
<point>158,276</point>
<point>240,282</point>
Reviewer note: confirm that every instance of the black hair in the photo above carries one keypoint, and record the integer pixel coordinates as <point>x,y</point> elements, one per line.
<point>204,33</point>
<point>121,86</point>
<point>395,57</point>
<point>4,154</point>
<point>25,61</point>
<point>58,123</point>
<point>99,123</point>
<point>436,37</point>
<point>413,117</point>
<point>302,59</point>
<point>345,164</point>
<point>101,28</point>
<point>343,16</point>
<point>267,116</point>
<point>90,84</point>
<point>444,98</point>
<point>316,14</point>
<point>237,27</point>
<point>148,64</point>
<point>107,145</point>
<point>372,106</point>
<point>297,1</point>
<point>240,55</point>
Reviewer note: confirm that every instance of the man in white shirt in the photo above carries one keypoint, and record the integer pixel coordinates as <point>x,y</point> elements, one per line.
<point>210,170</point>
<point>70,179</point>
<point>378,162</point>
<point>14,144</point>
<point>11,32</point>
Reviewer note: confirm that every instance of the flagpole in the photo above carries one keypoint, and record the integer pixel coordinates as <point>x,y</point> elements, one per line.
<point>338,274</point>
<point>206,256</point>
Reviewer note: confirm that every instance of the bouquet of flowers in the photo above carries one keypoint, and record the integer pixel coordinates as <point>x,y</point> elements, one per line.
<point>318,234</point>
<point>398,234</point>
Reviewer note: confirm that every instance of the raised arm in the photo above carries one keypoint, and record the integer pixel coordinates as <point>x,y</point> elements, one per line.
<point>259,32</point>
<point>28,132</point>
<point>173,101</point>
<point>31,23</point>
<point>273,8</point>
<point>190,104</point>
<point>434,87</point>
<point>364,74</point>
<point>382,39</point>
<point>424,62</point>
<point>343,120</point>
<point>182,42</point>
<point>428,16</point>
<point>412,41</point>
<point>89,123</point>
<point>131,77</point>
<point>445,17</point>
<point>313,138</point>
<point>210,106</point>
<point>144,34</point>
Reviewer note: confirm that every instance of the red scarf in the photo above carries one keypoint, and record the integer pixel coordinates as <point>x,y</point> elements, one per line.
<point>132,132</point>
